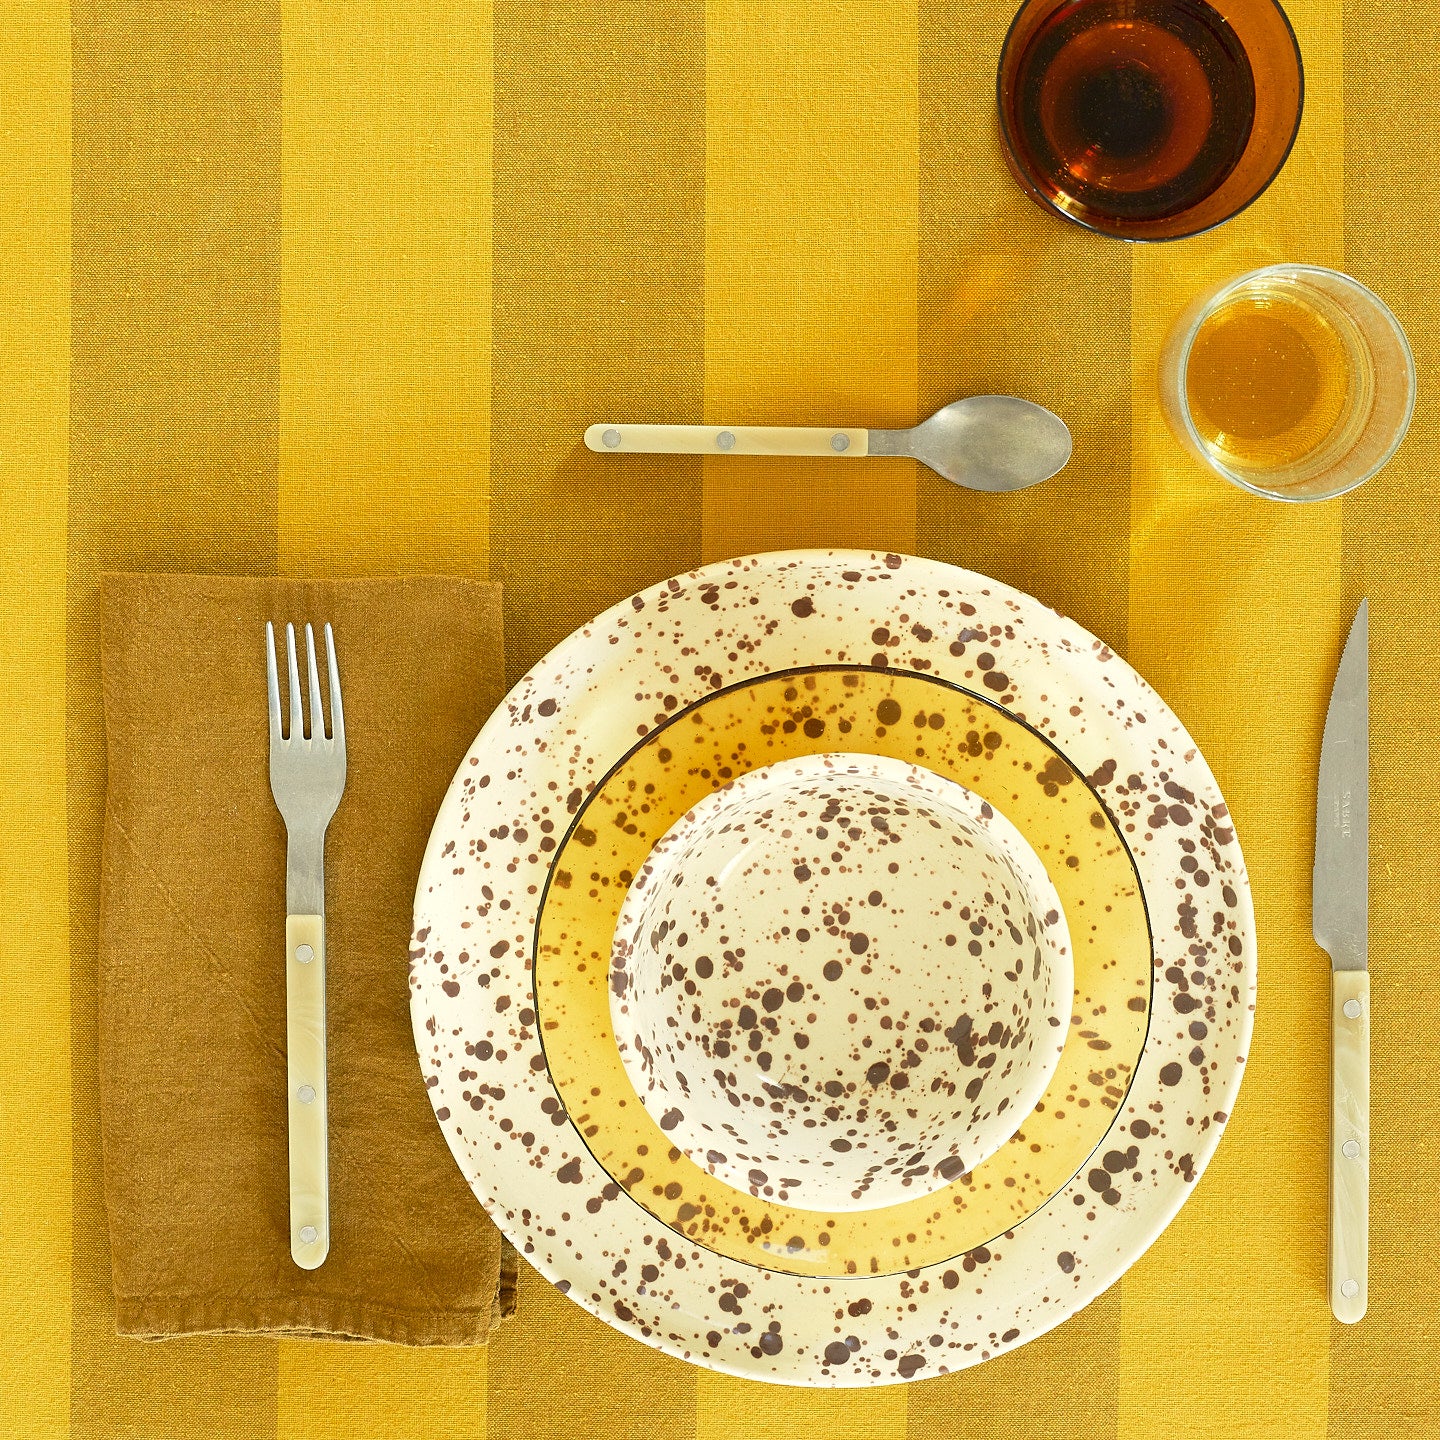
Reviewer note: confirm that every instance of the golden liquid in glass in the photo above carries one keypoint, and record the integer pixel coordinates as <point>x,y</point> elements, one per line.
<point>1272,380</point>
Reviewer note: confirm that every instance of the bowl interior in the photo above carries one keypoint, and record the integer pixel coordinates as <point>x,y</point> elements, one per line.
<point>842,978</point>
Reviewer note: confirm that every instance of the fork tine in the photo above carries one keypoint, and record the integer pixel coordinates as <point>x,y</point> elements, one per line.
<point>317,708</point>
<point>297,710</point>
<point>272,682</point>
<point>337,713</point>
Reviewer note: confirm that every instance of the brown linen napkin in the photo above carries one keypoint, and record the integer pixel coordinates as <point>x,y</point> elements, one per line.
<point>192,967</point>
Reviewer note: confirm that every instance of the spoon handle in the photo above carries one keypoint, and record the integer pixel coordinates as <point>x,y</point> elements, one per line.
<point>726,440</point>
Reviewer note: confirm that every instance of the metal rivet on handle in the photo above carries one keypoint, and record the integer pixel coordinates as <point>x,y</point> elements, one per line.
<point>304,954</point>
<point>839,443</point>
<point>1350,1289</point>
<point>610,439</point>
<point>1352,1009</point>
<point>725,440</point>
<point>309,1234</point>
<point>1350,1149</point>
<point>305,1094</point>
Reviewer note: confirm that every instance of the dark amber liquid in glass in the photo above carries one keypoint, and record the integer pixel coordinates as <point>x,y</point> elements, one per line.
<point>1132,109</point>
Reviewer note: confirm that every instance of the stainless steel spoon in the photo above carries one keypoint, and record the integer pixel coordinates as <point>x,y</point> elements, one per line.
<point>987,442</point>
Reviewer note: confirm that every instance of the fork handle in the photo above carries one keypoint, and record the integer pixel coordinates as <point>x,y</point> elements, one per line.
<point>727,440</point>
<point>305,1067</point>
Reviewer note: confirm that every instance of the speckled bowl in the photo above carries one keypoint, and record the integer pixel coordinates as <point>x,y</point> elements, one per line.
<point>843,975</point>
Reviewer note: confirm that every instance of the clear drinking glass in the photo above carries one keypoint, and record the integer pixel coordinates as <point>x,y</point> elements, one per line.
<point>1293,382</point>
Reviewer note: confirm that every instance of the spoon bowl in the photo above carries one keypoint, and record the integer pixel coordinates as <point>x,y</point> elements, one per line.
<point>987,442</point>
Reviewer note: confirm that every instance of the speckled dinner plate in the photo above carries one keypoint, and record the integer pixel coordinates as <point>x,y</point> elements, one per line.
<point>537,1158</point>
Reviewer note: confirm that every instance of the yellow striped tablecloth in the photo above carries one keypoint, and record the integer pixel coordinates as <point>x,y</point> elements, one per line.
<point>309,287</point>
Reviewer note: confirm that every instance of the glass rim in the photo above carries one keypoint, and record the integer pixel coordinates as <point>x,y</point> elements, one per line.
<point>1292,269</point>
<point>1048,201</point>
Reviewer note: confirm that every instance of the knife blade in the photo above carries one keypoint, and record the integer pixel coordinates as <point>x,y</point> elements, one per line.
<point>1340,914</point>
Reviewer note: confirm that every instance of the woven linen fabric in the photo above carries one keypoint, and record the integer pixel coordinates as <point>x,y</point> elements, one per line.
<point>302,288</point>
<point>191,984</point>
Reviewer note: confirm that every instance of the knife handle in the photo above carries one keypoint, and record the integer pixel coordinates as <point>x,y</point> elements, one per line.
<point>1349,1143</point>
<point>305,1073</point>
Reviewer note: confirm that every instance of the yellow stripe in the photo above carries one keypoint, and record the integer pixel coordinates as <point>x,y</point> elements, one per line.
<point>811,218</point>
<point>811,253</point>
<point>34,898</point>
<point>385,288</point>
<point>1236,618</point>
<point>384,437</point>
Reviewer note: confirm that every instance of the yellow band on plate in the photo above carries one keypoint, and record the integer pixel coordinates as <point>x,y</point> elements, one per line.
<point>912,718</point>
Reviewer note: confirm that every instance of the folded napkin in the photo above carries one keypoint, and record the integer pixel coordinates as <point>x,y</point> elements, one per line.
<point>192,964</point>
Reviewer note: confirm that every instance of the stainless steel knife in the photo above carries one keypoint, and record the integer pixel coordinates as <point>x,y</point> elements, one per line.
<point>1341,903</point>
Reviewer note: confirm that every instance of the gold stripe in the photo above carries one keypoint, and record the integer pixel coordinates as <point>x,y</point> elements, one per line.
<point>811,213</point>
<point>811,220</point>
<point>377,1392</point>
<point>385,288</point>
<point>1236,617</point>
<point>1383,1372</point>
<point>730,1410</point>
<point>599,248</point>
<point>1059,1387</point>
<point>598,255</point>
<point>175,214</point>
<point>35,1174</point>
<point>1015,301</point>
<point>557,1371</point>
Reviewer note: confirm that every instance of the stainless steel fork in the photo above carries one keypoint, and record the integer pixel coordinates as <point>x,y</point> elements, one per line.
<point>307,778</point>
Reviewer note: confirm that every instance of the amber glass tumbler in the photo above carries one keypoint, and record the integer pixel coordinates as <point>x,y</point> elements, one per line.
<point>1149,119</point>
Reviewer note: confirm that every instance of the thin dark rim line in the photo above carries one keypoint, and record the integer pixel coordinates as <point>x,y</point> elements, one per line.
<point>1045,204</point>
<point>840,669</point>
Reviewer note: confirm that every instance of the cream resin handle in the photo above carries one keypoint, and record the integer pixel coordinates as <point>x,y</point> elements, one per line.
<point>723,440</point>
<point>1350,1144</point>
<point>305,1066</point>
